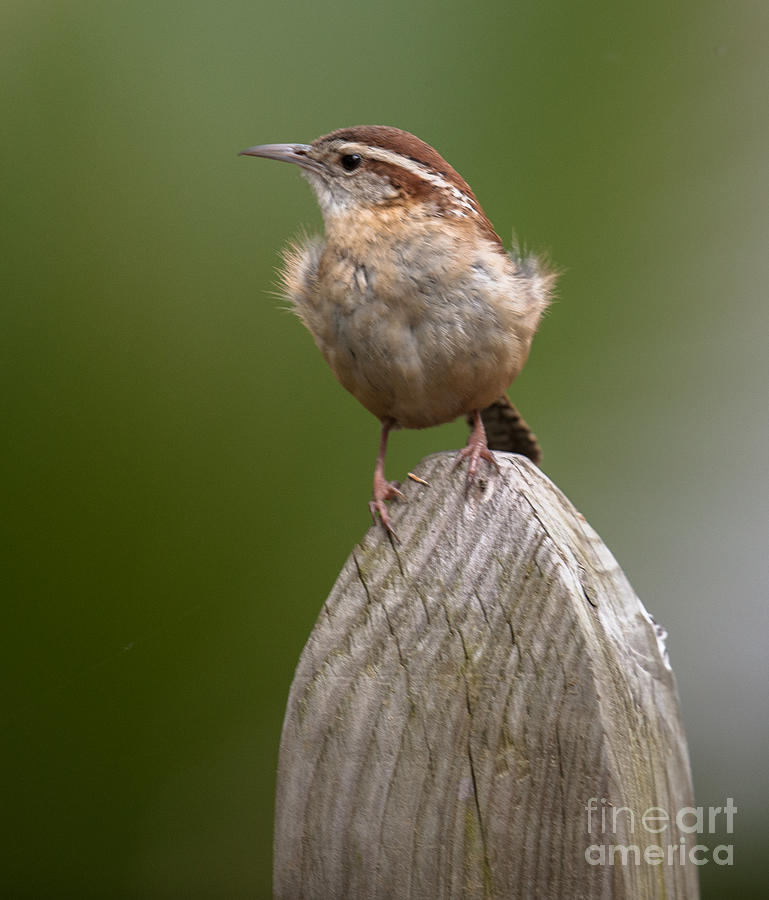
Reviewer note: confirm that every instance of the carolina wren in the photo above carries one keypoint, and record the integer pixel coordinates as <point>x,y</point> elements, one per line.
<point>411,297</point>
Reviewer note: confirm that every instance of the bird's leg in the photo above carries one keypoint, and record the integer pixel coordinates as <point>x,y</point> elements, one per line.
<point>477,448</point>
<point>383,489</point>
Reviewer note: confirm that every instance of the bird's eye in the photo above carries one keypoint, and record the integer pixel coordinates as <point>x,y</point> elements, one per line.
<point>350,161</point>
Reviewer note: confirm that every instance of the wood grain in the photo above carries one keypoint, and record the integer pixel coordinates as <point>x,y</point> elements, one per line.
<point>462,697</point>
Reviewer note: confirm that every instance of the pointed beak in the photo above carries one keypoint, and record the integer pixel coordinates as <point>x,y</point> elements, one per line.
<point>292,153</point>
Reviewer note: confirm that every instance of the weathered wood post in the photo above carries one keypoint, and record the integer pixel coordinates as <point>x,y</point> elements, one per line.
<point>462,698</point>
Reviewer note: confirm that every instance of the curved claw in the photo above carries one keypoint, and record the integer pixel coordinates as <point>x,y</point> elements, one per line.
<point>475,453</point>
<point>384,490</point>
<point>378,507</point>
<point>477,448</point>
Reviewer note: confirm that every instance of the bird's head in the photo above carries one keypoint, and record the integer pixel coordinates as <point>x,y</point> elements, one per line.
<point>371,166</point>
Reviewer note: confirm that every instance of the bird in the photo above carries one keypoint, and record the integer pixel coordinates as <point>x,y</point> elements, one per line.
<point>410,295</point>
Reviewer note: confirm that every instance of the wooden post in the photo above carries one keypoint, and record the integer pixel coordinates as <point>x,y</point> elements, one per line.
<point>464,695</point>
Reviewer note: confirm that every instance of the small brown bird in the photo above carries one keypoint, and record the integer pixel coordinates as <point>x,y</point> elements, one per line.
<point>411,297</point>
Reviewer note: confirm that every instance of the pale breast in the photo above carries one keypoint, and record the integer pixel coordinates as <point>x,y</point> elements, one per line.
<point>425,330</point>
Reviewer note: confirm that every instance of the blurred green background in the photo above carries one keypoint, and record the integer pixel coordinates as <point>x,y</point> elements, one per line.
<point>183,476</point>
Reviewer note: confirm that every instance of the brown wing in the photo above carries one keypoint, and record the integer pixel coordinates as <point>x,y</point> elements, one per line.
<point>507,431</point>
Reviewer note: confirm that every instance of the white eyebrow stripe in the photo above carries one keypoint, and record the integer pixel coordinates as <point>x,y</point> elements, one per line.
<point>461,201</point>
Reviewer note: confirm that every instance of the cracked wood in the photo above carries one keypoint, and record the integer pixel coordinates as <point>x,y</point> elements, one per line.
<point>461,698</point>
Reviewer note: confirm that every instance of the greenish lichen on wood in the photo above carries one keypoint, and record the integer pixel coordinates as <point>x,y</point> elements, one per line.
<point>462,697</point>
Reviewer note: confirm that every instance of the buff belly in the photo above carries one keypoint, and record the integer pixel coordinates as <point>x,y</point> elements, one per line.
<point>408,349</point>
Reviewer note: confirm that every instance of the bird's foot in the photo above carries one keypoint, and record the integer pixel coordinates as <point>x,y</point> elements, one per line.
<point>477,449</point>
<point>384,490</point>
